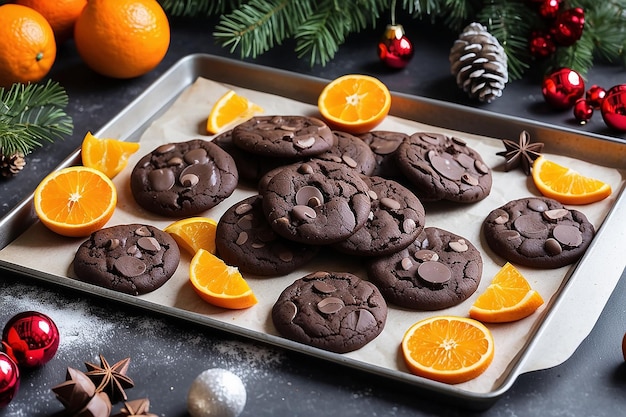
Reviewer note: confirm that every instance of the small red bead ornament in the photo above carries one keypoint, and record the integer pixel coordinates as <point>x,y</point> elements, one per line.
<point>30,338</point>
<point>394,48</point>
<point>595,95</point>
<point>9,379</point>
<point>541,44</point>
<point>562,88</point>
<point>569,25</point>
<point>614,108</point>
<point>548,9</point>
<point>583,110</point>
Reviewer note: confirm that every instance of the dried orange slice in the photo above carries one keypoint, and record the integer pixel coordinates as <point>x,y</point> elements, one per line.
<point>508,297</point>
<point>566,185</point>
<point>448,349</point>
<point>219,284</point>
<point>354,103</point>
<point>75,201</point>
<point>107,155</point>
<point>194,233</point>
<point>231,108</point>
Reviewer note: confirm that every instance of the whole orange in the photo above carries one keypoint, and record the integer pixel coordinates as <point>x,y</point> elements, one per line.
<point>122,38</point>
<point>61,14</point>
<point>27,47</point>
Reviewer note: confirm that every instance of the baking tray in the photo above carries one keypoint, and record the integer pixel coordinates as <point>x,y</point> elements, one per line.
<point>137,116</point>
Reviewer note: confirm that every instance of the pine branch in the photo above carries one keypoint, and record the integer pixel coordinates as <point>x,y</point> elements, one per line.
<point>198,7</point>
<point>31,114</point>
<point>511,23</point>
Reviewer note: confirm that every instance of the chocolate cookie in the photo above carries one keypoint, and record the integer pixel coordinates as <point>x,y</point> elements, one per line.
<point>316,202</point>
<point>396,219</point>
<point>444,168</point>
<point>538,232</point>
<point>284,136</point>
<point>133,258</point>
<point>245,239</point>
<point>351,151</point>
<point>183,179</point>
<point>334,311</point>
<point>438,270</point>
<point>384,145</point>
<point>250,167</point>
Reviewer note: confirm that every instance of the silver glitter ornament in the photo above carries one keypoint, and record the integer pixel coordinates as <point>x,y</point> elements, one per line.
<point>216,393</point>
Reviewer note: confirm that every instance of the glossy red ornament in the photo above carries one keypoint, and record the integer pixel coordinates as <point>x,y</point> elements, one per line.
<point>562,88</point>
<point>394,48</point>
<point>583,110</point>
<point>595,95</point>
<point>568,26</point>
<point>541,44</point>
<point>614,108</point>
<point>9,379</point>
<point>548,9</point>
<point>30,338</point>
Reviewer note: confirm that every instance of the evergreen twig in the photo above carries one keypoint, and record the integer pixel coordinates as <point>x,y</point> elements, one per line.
<point>31,114</point>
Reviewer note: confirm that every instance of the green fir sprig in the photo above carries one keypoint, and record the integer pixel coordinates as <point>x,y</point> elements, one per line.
<point>31,114</point>
<point>319,27</point>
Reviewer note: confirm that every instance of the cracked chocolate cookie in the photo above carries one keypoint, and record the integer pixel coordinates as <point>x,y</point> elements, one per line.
<point>384,145</point>
<point>538,232</point>
<point>316,202</point>
<point>284,136</point>
<point>183,179</point>
<point>351,151</point>
<point>333,311</point>
<point>396,219</point>
<point>438,270</point>
<point>133,258</point>
<point>245,239</point>
<point>443,168</point>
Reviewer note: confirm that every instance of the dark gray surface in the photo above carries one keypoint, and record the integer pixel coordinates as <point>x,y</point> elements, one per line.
<point>167,354</point>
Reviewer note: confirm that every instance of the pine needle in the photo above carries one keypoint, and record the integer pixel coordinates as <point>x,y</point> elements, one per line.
<point>31,114</point>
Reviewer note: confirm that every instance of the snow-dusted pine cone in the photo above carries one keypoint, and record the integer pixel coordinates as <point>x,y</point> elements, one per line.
<point>479,63</point>
<point>11,165</point>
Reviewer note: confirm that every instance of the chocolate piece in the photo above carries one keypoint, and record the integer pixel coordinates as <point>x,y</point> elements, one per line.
<point>522,153</point>
<point>110,379</point>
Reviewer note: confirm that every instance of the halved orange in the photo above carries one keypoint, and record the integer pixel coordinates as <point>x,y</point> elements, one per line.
<point>354,103</point>
<point>509,297</point>
<point>231,108</point>
<point>448,349</point>
<point>107,155</point>
<point>75,201</point>
<point>566,185</point>
<point>219,284</point>
<point>194,233</point>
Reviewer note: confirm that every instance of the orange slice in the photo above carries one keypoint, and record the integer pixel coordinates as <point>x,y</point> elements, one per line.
<point>194,233</point>
<point>566,185</point>
<point>231,108</point>
<point>509,297</point>
<point>219,284</point>
<point>75,201</point>
<point>107,155</point>
<point>448,349</point>
<point>354,103</point>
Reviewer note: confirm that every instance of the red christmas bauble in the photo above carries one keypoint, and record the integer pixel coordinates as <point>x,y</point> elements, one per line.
<point>30,338</point>
<point>595,95</point>
<point>394,48</point>
<point>548,9</point>
<point>562,88</point>
<point>9,379</point>
<point>614,108</point>
<point>583,110</point>
<point>541,44</point>
<point>568,26</point>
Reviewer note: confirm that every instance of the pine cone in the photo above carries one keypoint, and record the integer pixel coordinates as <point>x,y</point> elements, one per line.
<point>11,165</point>
<point>479,63</point>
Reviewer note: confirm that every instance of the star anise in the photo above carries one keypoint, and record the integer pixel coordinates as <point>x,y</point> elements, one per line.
<point>521,153</point>
<point>111,380</point>
<point>136,408</point>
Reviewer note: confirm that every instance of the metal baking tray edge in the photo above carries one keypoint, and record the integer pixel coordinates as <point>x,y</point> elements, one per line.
<point>132,121</point>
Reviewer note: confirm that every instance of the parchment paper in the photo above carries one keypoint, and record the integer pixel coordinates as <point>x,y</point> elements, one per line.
<point>186,120</point>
